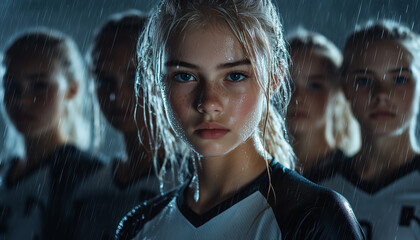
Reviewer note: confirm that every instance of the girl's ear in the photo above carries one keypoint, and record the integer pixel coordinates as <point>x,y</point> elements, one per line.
<point>72,90</point>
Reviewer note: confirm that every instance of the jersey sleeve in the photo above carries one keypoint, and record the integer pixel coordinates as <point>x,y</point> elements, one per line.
<point>331,217</point>
<point>134,221</point>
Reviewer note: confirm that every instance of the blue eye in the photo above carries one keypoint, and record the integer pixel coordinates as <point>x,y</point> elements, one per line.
<point>184,77</point>
<point>314,86</point>
<point>362,81</point>
<point>400,80</point>
<point>236,77</point>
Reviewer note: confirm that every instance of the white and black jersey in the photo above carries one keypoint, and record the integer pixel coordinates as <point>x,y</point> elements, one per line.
<point>297,209</point>
<point>36,206</point>
<point>101,202</point>
<point>23,205</point>
<point>386,209</point>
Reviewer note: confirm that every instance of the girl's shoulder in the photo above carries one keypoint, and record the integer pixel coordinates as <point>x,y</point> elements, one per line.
<point>303,208</point>
<point>134,221</point>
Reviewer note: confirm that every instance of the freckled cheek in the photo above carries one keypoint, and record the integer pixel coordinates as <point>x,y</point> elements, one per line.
<point>246,107</point>
<point>179,105</point>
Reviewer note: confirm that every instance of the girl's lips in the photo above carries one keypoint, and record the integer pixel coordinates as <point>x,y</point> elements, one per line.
<point>382,115</point>
<point>210,130</point>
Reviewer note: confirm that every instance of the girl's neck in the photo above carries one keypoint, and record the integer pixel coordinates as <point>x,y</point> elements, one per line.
<point>139,160</point>
<point>380,156</point>
<point>221,177</point>
<point>311,148</point>
<point>38,148</point>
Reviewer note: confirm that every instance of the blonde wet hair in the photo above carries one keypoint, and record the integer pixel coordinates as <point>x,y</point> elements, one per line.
<point>342,130</point>
<point>257,26</point>
<point>75,122</point>
<point>387,30</point>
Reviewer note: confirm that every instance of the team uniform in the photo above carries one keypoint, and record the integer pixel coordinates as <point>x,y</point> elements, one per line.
<point>299,209</point>
<point>102,202</point>
<point>386,209</point>
<point>36,206</point>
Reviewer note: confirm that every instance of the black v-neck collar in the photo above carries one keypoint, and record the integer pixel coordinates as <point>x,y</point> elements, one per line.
<point>373,187</point>
<point>198,220</point>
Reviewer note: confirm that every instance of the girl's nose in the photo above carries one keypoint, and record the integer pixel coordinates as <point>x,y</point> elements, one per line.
<point>381,92</point>
<point>209,100</point>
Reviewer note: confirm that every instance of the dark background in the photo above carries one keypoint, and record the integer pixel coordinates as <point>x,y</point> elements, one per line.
<point>80,18</point>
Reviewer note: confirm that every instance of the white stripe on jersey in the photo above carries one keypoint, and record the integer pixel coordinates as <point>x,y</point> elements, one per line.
<point>253,219</point>
<point>380,213</point>
<point>24,205</point>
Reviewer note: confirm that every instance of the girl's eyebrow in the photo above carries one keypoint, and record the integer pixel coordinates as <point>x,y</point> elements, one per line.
<point>177,63</point>
<point>400,70</point>
<point>363,71</point>
<point>234,64</point>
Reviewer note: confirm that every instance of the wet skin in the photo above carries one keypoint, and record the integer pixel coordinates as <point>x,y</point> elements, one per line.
<point>308,106</point>
<point>381,87</point>
<point>115,75</point>
<point>36,91</point>
<point>214,102</point>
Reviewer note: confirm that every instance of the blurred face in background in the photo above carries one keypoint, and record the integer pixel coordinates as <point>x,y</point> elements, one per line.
<point>115,76</point>
<point>308,106</point>
<point>36,91</point>
<point>381,86</point>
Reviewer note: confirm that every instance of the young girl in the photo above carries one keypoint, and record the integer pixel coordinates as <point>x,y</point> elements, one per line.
<point>318,116</point>
<point>43,89</point>
<point>214,67</point>
<point>121,185</point>
<point>381,71</point>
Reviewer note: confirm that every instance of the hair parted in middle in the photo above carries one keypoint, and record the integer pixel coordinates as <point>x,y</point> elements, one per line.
<point>257,26</point>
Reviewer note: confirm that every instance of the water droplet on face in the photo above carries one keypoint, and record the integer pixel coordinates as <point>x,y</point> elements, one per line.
<point>112,96</point>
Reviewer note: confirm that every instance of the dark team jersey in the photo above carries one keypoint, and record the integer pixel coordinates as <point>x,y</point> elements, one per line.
<point>101,202</point>
<point>326,168</point>
<point>386,209</point>
<point>297,209</point>
<point>36,206</point>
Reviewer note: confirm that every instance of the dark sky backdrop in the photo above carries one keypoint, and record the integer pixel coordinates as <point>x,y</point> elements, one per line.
<point>80,18</point>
